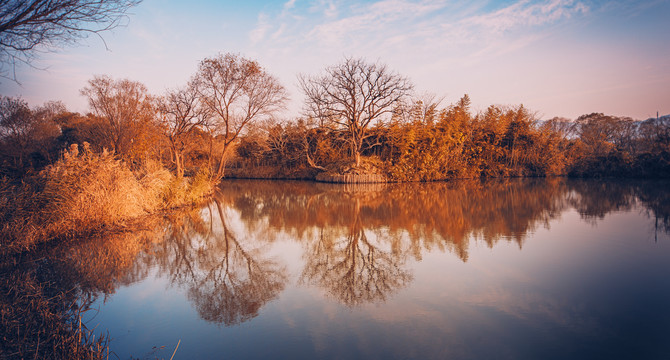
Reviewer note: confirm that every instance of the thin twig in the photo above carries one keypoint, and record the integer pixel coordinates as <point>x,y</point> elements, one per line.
<point>175,349</point>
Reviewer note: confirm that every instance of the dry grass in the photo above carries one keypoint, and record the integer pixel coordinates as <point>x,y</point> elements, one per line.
<point>188,191</point>
<point>82,194</point>
<point>37,324</point>
<point>44,294</point>
<point>85,193</point>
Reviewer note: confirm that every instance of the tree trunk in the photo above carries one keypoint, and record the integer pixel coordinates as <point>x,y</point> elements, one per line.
<point>356,150</point>
<point>220,170</point>
<point>180,164</point>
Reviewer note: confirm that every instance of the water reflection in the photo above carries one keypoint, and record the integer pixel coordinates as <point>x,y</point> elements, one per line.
<point>45,293</point>
<point>357,244</point>
<point>413,217</point>
<point>227,275</point>
<point>596,199</point>
<point>355,267</point>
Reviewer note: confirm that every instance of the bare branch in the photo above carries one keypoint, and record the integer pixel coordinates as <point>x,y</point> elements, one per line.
<point>30,26</point>
<point>181,112</point>
<point>353,95</point>
<point>237,91</point>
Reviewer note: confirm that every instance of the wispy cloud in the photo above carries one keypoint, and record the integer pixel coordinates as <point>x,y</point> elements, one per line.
<point>388,25</point>
<point>374,19</point>
<point>443,45</point>
<point>524,13</point>
<point>263,26</point>
<point>289,5</point>
<point>329,8</point>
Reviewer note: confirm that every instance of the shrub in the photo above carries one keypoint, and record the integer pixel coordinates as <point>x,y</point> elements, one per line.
<point>86,192</point>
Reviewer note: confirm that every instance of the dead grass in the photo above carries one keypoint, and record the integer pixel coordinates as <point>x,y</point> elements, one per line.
<point>36,324</point>
<point>188,190</point>
<point>85,193</point>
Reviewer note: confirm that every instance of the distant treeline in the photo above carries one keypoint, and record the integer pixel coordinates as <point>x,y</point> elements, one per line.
<point>420,142</point>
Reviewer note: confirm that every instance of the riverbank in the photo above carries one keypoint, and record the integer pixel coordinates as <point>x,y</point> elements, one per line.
<point>85,193</point>
<point>645,166</point>
<point>337,173</point>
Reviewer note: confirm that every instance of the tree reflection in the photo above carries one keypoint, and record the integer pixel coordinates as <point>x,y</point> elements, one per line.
<point>352,267</point>
<point>656,200</point>
<point>595,199</point>
<point>357,238</point>
<point>228,280</point>
<point>414,217</point>
<point>43,294</point>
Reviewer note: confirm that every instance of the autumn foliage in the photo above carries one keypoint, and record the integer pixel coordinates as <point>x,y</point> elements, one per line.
<point>421,142</point>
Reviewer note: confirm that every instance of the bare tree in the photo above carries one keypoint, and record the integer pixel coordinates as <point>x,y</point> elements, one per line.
<point>27,26</point>
<point>15,127</point>
<point>421,109</point>
<point>127,108</point>
<point>353,94</point>
<point>563,127</point>
<point>237,91</point>
<point>181,113</point>
<point>28,136</point>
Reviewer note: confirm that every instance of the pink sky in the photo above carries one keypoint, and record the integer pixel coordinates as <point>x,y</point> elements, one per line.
<point>557,57</point>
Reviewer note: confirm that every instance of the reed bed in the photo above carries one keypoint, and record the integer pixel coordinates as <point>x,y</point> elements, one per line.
<point>85,193</point>
<point>36,323</point>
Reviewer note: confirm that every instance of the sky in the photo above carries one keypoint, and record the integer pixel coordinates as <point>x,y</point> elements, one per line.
<point>556,57</point>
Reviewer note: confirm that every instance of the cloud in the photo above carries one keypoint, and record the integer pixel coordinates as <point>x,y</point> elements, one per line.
<point>524,13</point>
<point>440,44</point>
<point>376,18</point>
<point>263,26</point>
<point>326,7</point>
<point>331,10</point>
<point>384,25</point>
<point>289,5</point>
<point>277,34</point>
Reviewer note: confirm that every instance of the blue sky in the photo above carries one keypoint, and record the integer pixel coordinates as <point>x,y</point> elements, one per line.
<point>556,57</point>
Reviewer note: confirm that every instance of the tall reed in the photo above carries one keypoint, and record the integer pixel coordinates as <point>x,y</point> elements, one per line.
<point>86,192</point>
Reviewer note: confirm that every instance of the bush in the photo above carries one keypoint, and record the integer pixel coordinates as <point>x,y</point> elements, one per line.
<point>84,193</point>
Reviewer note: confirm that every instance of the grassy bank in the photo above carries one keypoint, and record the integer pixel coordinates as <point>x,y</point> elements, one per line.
<point>38,322</point>
<point>47,295</point>
<point>85,193</point>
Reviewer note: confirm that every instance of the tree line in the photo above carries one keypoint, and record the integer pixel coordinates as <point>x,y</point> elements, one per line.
<point>359,118</point>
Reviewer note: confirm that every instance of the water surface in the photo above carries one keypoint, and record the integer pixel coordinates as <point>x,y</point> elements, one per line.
<point>518,269</point>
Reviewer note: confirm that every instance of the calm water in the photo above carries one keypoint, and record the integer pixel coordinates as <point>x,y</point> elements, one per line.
<point>527,269</point>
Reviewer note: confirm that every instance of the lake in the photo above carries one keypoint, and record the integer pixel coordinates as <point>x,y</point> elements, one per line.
<point>504,269</point>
